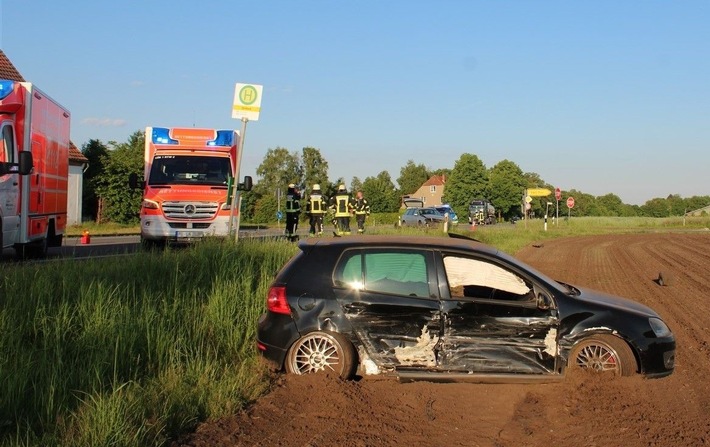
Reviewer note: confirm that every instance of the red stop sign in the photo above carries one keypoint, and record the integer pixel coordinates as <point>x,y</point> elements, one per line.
<point>558,193</point>
<point>570,202</point>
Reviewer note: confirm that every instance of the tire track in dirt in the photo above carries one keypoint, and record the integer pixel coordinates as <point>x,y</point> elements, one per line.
<point>625,265</point>
<point>585,409</point>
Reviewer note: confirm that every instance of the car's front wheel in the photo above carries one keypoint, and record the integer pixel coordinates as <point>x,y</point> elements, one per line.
<point>604,353</point>
<point>322,352</point>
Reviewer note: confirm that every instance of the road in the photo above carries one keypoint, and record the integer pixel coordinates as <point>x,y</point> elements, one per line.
<point>113,245</point>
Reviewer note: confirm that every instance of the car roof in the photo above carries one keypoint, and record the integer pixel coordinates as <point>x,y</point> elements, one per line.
<point>423,242</point>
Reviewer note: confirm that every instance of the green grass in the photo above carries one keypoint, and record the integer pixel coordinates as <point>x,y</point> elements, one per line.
<point>134,350</point>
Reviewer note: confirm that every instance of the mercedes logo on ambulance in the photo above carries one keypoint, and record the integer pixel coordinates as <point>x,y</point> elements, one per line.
<point>190,209</point>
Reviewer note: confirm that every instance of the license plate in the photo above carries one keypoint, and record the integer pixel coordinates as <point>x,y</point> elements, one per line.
<point>188,234</point>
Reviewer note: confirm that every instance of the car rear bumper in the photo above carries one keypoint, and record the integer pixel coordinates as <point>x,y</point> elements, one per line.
<point>275,334</point>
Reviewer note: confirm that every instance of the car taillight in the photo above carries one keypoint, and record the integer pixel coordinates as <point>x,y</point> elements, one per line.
<point>276,301</point>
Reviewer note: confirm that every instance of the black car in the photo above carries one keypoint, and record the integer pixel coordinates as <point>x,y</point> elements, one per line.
<point>448,309</point>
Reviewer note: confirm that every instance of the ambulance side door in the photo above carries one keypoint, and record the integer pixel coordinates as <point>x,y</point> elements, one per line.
<point>9,184</point>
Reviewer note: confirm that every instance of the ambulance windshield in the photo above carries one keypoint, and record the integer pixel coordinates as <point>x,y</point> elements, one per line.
<point>189,170</point>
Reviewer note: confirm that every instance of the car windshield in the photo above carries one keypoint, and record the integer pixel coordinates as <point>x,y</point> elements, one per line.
<point>189,170</point>
<point>430,211</point>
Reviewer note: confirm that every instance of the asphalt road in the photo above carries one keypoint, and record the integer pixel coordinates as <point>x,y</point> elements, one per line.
<point>111,246</point>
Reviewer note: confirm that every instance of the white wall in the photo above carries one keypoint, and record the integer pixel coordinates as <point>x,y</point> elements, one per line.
<point>76,186</point>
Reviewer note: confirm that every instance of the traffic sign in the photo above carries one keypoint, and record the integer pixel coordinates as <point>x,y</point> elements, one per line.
<point>247,101</point>
<point>570,202</point>
<point>528,206</point>
<point>558,194</point>
<point>539,192</point>
<point>528,199</point>
<point>279,215</point>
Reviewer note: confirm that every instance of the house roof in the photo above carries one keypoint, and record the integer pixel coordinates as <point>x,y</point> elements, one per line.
<point>7,70</point>
<point>437,180</point>
<point>75,155</point>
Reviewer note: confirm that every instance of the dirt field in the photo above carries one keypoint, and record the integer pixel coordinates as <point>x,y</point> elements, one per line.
<point>583,410</point>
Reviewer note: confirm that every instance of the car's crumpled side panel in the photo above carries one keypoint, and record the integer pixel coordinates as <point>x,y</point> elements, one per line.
<point>395,331</point>
<point>521,345</point>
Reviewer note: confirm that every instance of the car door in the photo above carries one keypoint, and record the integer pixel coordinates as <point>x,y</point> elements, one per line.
<point>495,319</point>
<point>9,185</point>
<point>390,297</point>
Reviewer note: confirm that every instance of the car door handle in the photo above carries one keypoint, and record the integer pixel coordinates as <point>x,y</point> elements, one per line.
<point>355,306</point>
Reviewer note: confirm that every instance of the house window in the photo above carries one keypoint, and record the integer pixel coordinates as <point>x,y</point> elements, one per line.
<point>432,189</point>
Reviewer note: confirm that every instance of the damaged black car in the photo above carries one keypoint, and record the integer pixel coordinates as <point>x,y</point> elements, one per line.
<point>448,309</point>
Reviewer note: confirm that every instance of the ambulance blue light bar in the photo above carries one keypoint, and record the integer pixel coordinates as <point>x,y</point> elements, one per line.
<point>161,135</point>
<point>224,138</point>
<point>6,87</point>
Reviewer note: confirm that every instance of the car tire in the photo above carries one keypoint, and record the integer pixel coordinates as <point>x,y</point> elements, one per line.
<point>321,351</point>
<point>603,353</point>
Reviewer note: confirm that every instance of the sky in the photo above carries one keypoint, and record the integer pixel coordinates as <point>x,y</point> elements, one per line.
<point>598,96</point>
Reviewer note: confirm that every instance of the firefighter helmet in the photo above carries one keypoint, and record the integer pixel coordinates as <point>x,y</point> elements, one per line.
<point>316,187</point>
<point>341,188</point>
<point>291,186</point>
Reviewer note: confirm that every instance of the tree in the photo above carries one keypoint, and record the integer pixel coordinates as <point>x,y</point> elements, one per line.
<point>120,203</point>
<point>314,168</point>
<point>411,177</point>
<point>468,181</point>
<point>506,184</point>
<point>381,193</point>
<point>355,185</point>
<point>95,151</point>
<point>610,205</point>
<point>279,168</point>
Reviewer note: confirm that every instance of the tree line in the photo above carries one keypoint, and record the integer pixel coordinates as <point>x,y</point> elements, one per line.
<point>107,198</point>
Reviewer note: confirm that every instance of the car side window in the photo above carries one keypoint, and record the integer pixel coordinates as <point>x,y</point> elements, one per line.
<point>479,279</point>
<point>7,152</point>
<point>392,272</point>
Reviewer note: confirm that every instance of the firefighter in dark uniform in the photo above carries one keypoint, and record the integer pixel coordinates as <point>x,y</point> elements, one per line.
<point>362,210</point>
<point>315,210</point>
<point>293,210</point>
<point>341,204</point>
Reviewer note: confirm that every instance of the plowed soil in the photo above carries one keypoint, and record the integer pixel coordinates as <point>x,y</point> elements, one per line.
<point>583,410</point>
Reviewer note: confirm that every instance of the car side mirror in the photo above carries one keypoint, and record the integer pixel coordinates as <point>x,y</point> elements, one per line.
<point>133,182</point>
<point>26,162</point>
<point>247,185</point>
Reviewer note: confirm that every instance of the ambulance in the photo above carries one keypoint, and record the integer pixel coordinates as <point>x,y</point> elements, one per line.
<point>34,169</point>
<point>188,173</point>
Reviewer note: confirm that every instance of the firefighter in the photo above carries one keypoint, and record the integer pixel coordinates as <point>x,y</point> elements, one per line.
<point>315,210</point>
<point>362,210</point>
<point>342,206</point>
<point>293,210</point>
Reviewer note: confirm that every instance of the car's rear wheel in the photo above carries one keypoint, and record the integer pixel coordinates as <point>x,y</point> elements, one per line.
<point>604,353</point>
<point>322,352</point>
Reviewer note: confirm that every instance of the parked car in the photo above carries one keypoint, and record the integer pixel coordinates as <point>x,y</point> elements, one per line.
<point>443,209</point>
<point>421,217</point>
<point>448,309</point>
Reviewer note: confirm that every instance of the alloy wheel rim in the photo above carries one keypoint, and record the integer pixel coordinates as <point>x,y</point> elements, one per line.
<point>598,358</point>
<point>316,354</point>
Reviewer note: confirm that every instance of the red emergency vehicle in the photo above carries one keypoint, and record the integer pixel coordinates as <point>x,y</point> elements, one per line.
<point>34,169</point>
<point>186,178</point>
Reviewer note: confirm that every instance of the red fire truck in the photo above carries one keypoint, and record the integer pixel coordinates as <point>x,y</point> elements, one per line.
<point>34,169</point>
